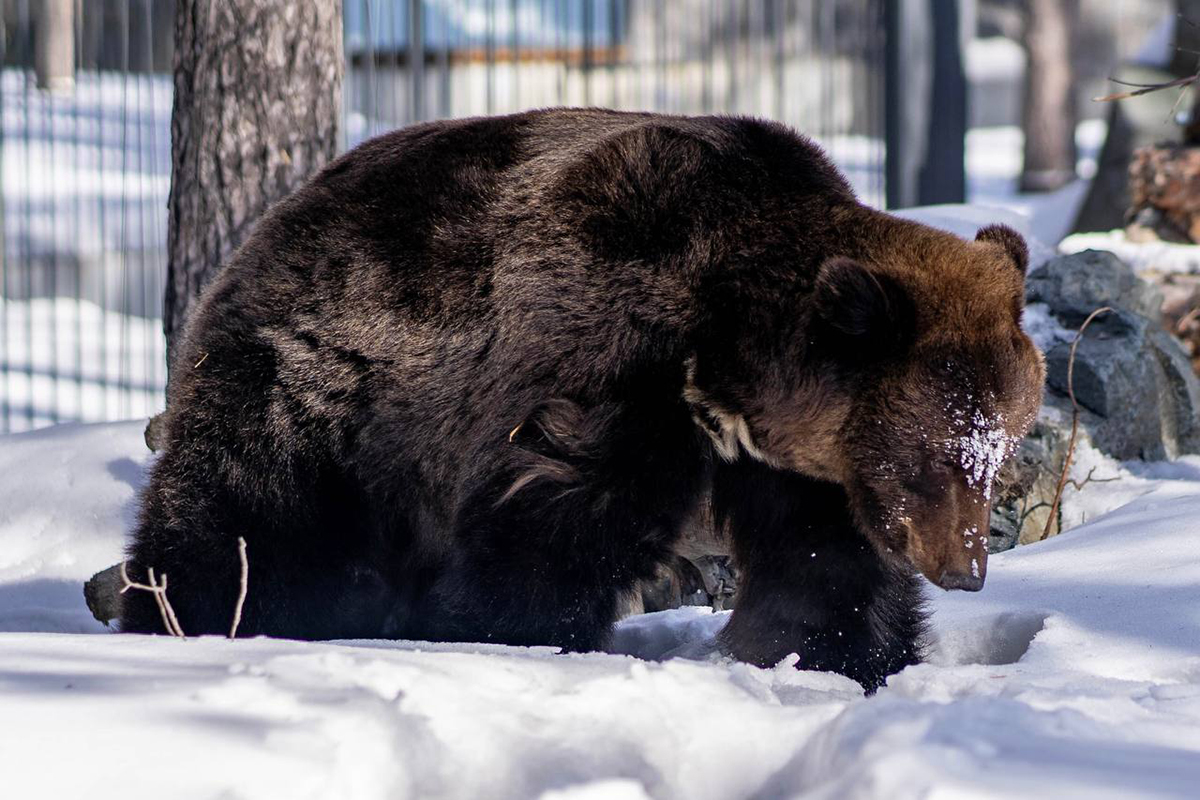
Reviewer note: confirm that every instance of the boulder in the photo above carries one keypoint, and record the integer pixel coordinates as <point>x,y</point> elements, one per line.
<point>1075,285</point>
<point>1133,381</point>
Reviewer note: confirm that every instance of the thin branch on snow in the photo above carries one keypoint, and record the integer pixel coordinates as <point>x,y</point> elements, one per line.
<point>245,582</point>
<point>1062,479</point>
<point>1078,485</point>
<point>158,588</point>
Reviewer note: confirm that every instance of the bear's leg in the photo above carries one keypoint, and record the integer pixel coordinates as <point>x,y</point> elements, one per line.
<point>578,508</point>
<point>541,568</point>
<point>811,583</point>
<point>307,574</point>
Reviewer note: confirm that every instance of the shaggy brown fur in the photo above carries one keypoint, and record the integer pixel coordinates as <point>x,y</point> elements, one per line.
<point>470,381</point>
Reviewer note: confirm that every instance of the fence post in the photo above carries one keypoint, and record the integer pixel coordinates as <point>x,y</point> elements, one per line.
<point>943,175</point>
<point>925,100</point>
<point>54,48</point>
<point>416,60</point>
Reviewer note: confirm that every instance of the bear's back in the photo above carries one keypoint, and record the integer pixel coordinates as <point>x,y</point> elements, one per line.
<point>435,282</point>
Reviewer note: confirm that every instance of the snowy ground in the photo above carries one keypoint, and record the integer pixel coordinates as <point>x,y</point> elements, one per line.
<point>1152,256</point>
<point>1075,673</point>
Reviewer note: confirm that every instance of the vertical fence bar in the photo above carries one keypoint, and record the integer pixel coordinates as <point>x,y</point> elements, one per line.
<point>371,101</point>
<point>77,214</point>
<point>28,212</point>
<point>490,46</point>
<point>123,298</point>
<point>416,58</point>
<point>5,384</point>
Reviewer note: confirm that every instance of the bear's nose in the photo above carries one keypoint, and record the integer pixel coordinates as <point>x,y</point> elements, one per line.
<point>956,580</point>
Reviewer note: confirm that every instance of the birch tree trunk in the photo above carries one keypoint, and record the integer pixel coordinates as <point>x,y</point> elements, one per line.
<point>257,106</point>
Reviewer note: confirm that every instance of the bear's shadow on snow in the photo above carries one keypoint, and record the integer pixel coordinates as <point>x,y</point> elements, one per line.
<point>133,474</point>
<point>127,471</point>
<point>45,605</point>
<point>94,671</point>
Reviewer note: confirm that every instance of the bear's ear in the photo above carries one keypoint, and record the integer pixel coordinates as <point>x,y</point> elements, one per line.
<point>869,312</point>
<point>1012,242</point>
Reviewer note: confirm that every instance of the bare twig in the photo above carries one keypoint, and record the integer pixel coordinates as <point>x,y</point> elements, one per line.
<point>175,629</point>
<point>1062,479</point>
<point>158,588</point>
<point>245,582</point>
<point>1027,513</point>
<point>1078,485</point>
<point>1146,88</point>
<point>158,600</point>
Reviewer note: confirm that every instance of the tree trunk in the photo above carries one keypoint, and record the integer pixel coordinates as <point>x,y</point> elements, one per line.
<point>257,105</point>
<point>1050,114</point>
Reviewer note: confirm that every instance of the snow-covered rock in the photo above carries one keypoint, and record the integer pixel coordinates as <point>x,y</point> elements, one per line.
<point>1154,256</point>
<point>1074,673</point>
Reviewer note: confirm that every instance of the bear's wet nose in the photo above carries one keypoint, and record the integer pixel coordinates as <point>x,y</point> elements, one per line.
<point>956,580</point>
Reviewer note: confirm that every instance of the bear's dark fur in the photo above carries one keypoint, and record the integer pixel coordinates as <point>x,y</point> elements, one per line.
<point>468,383</point>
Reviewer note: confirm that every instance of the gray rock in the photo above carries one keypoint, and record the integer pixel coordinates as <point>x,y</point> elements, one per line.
<point>103,594</point>
<point>1181,428</point>
<point>1138,395</point>
<point>1075,285</point>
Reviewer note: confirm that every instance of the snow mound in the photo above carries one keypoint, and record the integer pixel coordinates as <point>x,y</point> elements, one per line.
<point>1157,256</point>
<point>1074,673</point>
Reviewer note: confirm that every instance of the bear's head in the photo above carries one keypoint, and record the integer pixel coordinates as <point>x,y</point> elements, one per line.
<point>906,378</point>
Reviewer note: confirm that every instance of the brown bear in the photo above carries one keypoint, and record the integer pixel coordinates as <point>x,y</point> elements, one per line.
<point>469,382</point>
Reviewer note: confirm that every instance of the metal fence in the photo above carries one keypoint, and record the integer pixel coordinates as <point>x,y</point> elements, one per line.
<point>85,148</point>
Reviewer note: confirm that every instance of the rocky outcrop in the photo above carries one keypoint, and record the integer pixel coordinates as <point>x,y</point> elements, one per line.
<point>1138,396</point>
<point>1137,393</point>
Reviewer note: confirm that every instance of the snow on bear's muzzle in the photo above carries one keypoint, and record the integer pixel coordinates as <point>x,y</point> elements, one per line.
<point>948,539</point>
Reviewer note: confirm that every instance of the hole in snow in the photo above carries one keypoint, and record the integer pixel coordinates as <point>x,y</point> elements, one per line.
<point>997,639</point>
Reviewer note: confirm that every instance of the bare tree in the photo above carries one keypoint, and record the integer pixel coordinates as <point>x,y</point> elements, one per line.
<point>1050,113</point>
<point>257,105</point>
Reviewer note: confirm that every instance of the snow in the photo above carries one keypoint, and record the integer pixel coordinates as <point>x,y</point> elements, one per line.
<point>1153,256</point>
<point>994,159</point>
<point>1074,673</point>
<point>983,450</point>
<point>1043,327</point>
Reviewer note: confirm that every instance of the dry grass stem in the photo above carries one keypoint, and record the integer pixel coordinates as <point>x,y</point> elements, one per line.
<point>158,588</point>
<point>245,582</point>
